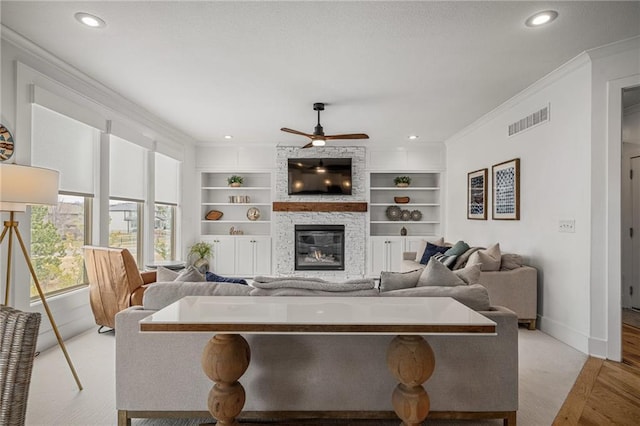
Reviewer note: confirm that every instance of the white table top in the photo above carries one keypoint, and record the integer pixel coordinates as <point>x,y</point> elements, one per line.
<point>319,315</point>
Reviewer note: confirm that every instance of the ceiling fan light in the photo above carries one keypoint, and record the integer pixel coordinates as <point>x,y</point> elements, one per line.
<point>318,142</point>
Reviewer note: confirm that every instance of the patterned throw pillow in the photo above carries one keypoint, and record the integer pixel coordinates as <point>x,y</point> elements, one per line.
<point>220,279</point>
<point>430,250</point>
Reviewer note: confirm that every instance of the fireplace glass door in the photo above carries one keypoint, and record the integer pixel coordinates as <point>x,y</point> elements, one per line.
<point>319,247</point>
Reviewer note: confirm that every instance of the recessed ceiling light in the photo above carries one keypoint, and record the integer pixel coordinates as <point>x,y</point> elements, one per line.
<point>412,137</point>
<point>90,20</point>
<point>228,137</point>
<point>541,18</point>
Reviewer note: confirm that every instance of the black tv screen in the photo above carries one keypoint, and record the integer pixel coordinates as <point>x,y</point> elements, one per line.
<point>314,176</point>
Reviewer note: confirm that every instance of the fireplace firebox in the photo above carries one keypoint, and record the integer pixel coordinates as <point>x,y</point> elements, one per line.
<point>319,247</point>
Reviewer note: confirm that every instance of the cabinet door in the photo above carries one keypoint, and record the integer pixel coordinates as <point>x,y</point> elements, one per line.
<point>223,255</point>
<point>377,255</point>
<point>262,256</point>
<point>245,257</point>
<point>395,246</point>
<point>385,254</point>
<point>253,256</point>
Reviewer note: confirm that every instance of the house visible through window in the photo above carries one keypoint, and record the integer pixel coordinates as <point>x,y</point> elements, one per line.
<point>125,226</point>
<point>57,236</point>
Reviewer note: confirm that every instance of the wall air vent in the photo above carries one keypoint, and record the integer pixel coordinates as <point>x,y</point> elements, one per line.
<point>530,121</point>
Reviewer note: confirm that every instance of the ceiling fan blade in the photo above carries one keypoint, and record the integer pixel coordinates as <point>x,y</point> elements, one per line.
<point>295,132</point>
<point>348,136</point>
<point>309,145</point>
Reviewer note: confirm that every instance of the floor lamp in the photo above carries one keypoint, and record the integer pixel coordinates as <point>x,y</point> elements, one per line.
<point>22,186</point>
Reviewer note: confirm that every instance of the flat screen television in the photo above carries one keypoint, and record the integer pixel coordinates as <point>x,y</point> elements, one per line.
<point>315,176</point>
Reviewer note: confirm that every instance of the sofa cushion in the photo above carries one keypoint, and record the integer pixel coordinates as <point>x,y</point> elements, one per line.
<point>489,258</point>
<point>510,261</point>
<point>396,280</point>
<point>165,274</point>
<point>470,274</point>
<point>430,250</point>
<point>190,274</point>
<point>210,276</point>
<point>423,245</point>
<point>158,296</point>
<point>458,249</point>
<point>436,274</point>
<point>474,296</point>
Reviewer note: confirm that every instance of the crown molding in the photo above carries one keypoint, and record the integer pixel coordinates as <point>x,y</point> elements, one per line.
<point>552,77</point>
<point>106,97</point>
<point>614,48</point>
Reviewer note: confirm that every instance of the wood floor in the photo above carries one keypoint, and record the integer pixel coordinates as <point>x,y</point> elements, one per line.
<point>605,393</point>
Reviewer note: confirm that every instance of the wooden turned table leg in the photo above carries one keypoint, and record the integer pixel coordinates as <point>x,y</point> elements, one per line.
<point>225,359</point>
<point>410,359</point>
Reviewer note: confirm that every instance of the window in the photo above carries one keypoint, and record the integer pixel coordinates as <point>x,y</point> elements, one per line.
<point>59,232</point>
<point>57,236</point>
<point>164,240</point>
<point>125,226</point>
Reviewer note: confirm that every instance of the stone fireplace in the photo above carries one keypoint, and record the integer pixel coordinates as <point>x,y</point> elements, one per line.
<point>331,213</point>
<point>319,248</point>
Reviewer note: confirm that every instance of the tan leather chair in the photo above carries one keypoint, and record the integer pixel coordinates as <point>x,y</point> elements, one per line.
<point>115,283</point>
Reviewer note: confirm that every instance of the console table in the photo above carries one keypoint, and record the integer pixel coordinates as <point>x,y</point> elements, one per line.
<point>409,357</point>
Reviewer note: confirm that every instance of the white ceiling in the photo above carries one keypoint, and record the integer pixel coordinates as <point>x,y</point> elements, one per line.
<point>389,69</point>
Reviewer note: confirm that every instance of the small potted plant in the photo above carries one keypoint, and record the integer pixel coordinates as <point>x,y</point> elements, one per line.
<point>199,255</point>
<point>402,181</point>
<point>235,180</point>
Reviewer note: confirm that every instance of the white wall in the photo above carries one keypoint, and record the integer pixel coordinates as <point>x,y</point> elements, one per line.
<point>554,182</point>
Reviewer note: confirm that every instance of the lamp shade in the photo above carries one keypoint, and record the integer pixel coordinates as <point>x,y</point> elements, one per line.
<point>21,186</point>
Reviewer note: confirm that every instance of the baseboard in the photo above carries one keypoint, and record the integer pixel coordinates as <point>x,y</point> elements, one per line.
<point>565,334</point>
<point>598,347</point>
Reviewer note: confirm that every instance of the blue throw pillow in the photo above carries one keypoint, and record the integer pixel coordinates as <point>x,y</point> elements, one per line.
<point>219,279</point>
<point>430,250</point>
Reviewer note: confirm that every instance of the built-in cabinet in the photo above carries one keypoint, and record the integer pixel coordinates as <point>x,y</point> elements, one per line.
<point>243,256</point>
<point>241,236</point>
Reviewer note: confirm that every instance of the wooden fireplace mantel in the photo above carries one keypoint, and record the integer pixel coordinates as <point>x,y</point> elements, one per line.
<point>287,206</point>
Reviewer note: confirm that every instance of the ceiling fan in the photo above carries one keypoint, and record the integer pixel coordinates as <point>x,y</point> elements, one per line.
<point>318,138</point>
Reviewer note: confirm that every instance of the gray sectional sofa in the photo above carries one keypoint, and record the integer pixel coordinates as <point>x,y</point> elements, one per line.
<point>159,374</point>
<point>516,289</point>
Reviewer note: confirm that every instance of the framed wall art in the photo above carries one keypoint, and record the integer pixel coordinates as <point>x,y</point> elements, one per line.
<point>477,194</point>
<point>506,190</point>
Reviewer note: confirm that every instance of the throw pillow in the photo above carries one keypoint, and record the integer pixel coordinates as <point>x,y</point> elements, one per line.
<point>164,275</point>
<point>396,280</point>
<point>423,245</point>
<point>489,259</point>
<point>458,248</point>
<point>430,251</point>
<point>447,261</point>
<point>190,274</point>
<point>436,274</point>
<point>510,261</point>
<point>210,276</point>
<point>470,274</point>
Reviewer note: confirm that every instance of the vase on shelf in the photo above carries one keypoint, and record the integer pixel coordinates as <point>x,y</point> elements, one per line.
<point>235,184</point>
<point>402,184</point>
<point>403,231</point>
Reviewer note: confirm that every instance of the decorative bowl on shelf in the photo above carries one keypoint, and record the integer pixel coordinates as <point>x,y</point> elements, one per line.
<point>393,213</point>
<point>405,215</point>
<point>213,215</point>
<point>416,215</point>
<point>253,213</point>
<point>401,200</point>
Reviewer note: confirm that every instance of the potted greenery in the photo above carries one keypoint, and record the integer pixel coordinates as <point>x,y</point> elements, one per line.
<point>199,255</point>
<point>402,181</point>
<point>235,180</point>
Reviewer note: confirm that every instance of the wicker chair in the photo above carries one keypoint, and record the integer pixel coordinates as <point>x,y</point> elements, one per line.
<point>18,336</point>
